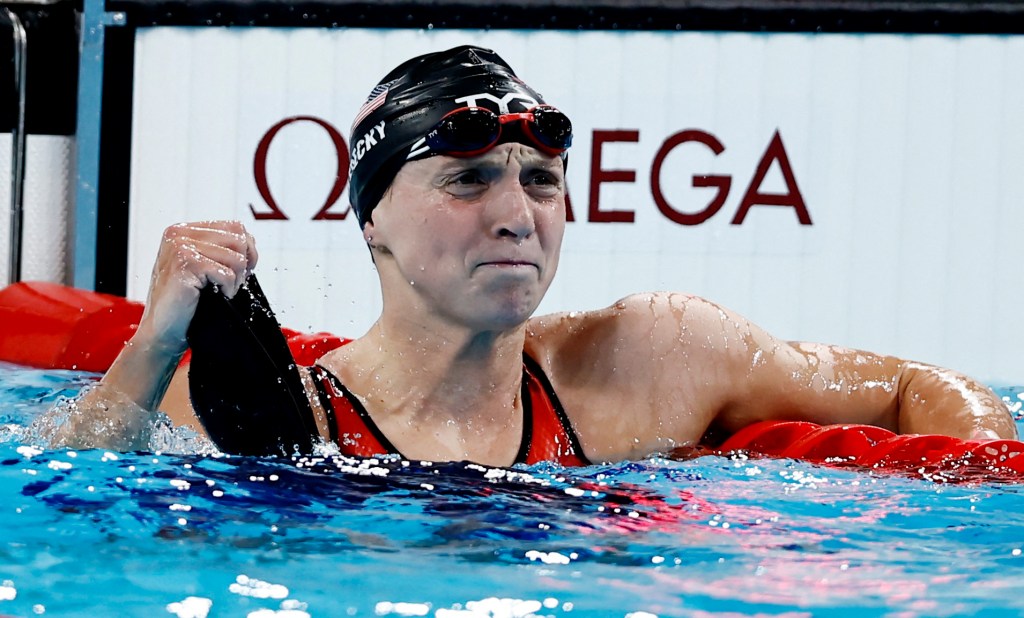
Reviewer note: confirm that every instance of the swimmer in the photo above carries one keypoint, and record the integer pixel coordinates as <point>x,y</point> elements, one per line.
<point>460,194</point>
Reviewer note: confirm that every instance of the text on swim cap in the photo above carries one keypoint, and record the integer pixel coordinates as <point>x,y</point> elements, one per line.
<point>365,143</point>
<point>502,103</point>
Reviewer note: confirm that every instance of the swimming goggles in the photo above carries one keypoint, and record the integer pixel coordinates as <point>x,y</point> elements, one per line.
<point>470,131</point>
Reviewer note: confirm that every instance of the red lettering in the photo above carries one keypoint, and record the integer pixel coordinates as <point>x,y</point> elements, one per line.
<point>598,176</point>
<point>259,172</point>
<point>722,183</point>
<point>568,207</point>
<point>775,152</point>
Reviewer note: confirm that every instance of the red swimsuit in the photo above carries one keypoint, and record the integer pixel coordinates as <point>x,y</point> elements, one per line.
<point>547,433</point>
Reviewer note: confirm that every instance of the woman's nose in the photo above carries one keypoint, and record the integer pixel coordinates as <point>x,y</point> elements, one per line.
<point>513,213</point>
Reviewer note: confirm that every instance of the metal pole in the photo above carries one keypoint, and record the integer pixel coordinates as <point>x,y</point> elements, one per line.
<point>95,20</point>
<point>17,146</point>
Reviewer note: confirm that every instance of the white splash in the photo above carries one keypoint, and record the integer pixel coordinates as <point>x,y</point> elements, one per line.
<point>548,557</point>
<point>258,589</point>
<point>190,607</point>
<point>402,609</point>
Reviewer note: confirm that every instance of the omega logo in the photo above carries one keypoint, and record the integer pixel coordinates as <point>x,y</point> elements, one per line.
<point>259,172</point>
<point>775,152</point>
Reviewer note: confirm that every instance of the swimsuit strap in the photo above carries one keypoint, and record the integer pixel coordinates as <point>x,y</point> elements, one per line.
<point>351,427</point>
<point>546,419</point>
<point>547,432</point>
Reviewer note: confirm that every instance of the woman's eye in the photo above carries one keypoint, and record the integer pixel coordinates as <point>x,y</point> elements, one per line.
<point>465,183</point>
<point>545,182</point>
<point>469,177</point>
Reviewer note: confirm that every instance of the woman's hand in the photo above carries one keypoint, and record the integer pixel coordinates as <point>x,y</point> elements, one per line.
<point>120,412</point>
<point>192,256</point>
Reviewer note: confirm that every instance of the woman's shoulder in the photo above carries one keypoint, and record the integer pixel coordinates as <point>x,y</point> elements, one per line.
<point>634,313</point>
<point>599,338</point>
<point>608,365</point>
<point>628,344</point>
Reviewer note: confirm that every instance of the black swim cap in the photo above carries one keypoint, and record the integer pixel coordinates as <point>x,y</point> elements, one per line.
<point>411,100</point>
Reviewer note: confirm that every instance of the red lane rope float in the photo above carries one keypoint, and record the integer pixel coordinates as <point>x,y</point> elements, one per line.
<point>867,446</point>
<point>52,326</point>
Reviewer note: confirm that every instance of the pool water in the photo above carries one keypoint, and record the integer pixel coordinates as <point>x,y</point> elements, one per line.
<point>97,533</point>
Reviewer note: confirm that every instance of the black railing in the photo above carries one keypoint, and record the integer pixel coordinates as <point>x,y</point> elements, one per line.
<point>908,16</point>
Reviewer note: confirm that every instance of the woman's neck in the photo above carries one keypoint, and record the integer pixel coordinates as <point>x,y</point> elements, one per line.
<point>434,373</point>
<point>439,397</point>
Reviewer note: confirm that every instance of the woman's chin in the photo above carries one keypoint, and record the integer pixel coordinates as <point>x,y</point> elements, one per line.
<point>509,314</point>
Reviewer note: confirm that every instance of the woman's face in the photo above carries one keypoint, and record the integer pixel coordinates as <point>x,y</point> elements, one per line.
<point>473,241</point>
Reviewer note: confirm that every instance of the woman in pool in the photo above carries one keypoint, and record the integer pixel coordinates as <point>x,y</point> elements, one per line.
<point>458,181</point>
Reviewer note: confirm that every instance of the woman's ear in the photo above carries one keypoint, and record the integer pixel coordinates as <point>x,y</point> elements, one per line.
<point>373,239</point>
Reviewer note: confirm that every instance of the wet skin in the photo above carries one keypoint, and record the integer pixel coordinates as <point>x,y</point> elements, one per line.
<point>469,244</point>
<point>465,250</point>
<point>440,372</point>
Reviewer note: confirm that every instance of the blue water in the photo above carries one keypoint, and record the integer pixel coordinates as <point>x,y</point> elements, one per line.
<point>96,533</point>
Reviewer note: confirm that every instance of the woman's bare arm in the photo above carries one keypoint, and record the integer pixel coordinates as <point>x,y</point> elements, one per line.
<point>119,412</point>
<point>658,371</point>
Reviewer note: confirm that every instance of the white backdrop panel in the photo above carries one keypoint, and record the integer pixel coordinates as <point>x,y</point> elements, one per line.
<point>906,152</point>
<point>46,207</point>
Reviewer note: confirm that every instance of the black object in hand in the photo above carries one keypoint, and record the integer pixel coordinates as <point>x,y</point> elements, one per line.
<point>243,381</point>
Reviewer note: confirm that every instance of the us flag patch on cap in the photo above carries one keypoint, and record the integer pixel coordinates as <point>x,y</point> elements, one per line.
<point>377,98</point>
